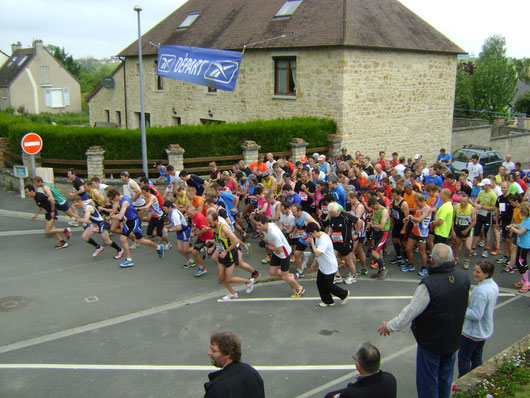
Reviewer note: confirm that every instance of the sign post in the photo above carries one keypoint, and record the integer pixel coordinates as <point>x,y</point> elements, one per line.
<point>21,172</point>
<point>31,143</point>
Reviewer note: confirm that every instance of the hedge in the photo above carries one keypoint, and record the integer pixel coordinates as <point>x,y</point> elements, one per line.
<point>68,142</point>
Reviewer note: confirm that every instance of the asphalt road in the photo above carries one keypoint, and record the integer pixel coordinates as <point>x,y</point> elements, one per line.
<point>74,325</point>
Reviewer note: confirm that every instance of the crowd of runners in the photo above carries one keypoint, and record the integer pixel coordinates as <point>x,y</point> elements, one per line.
<point>349,211</point>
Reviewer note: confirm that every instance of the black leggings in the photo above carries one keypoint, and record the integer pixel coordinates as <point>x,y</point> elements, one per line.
<point>520,259</point>
<point>483,222</point>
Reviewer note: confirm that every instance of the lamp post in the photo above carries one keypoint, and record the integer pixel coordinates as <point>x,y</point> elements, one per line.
<point>142,113</point>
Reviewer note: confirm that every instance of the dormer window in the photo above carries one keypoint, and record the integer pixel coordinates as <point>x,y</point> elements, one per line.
<point>288,8</point>
<point>189,20</point>
<point>21,61</point>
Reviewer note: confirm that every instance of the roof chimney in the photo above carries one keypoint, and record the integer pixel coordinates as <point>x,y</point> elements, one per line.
<point>16,46</point>
<point>37,44</point>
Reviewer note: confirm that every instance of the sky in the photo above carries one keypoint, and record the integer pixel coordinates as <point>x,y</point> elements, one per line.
<point>102,28</point>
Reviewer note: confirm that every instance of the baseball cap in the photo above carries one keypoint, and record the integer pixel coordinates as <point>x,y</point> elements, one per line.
<point>316,155</point>
<point>303,159</point>
<point>417,156</point>
<point>265,174</point>
<point>252,177</point>
<point>125,174</point>
<point>344,149</point>
<point>168,203</point>
<point>322,157</point>
<point>371,178</point>
<point>485,181</point>
<point>239,174</point>
<point>157,163</point>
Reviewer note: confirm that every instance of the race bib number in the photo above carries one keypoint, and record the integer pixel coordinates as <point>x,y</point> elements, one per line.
<point>463,222</point>
<point>395,214</point>
<point>502,207</point>
<point>220,248</point>
<point>300,233</point>
<point>483,212</point>
<point>325,209</point>
<point>336,237</point>
<point>303,196</point>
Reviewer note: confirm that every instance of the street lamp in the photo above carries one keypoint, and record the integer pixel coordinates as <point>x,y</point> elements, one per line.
<point>142,113</point>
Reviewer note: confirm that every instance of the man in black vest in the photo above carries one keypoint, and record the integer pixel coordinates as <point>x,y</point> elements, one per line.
<point>235,379</point>
<point>437,313</point>
<point>371,382</point>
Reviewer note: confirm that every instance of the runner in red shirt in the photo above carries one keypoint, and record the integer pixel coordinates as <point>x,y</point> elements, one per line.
<point>202,230</point>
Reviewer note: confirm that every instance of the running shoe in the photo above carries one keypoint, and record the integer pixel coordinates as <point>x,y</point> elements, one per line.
<point>495,251</point>
<point>73,223</point>
<point>396,260</point>
<point>502,260</point>
<point>374,265</point>
<point>127,263</point>
<point>168,246</point>
<point>342,264</point>
<point>408,268</point>
<point>482,243</point>
<point>250,286</point>
<point>345,300</point>
<point>98,251</point>
<point>160,251</point>
<point>230,296</point>
<point>524,289</point>
<point>255,235</point>
<point>485,254</point>
<point>381,274</point>
<point>338,279</point>
<point>119,254</point>
<point>190,263</point>
<point>350,280</point>
<point>423,272</point>
<point>518,284</point>
<point>487,247</point>
<point>298,293</point>
<point>247,248</point>
<point>266,260</point>
<point>507,270</point>
<point>200,271</point>
<point>361,272</point>
<point>255,275</point>
<point>62,245</point>
<point>134,245</point>
<point>298,274</point>
<point>466,264</point>
<point>292,260</point>
<point>67,233</point>
<point>473,252</point>
<point>322,304</point>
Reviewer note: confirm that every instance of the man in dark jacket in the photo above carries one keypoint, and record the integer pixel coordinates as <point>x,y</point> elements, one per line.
<point>437,312</point>
<point>235,379</point>
<point>372,382</point>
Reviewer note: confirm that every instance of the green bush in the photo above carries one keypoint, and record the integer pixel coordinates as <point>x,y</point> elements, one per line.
<point>68,142</point>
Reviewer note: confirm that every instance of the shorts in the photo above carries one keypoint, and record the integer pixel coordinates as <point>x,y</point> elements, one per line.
<point>291,241</point>
<point>440,239</point>
<point>133,226</point>
<point>184,235</point>
<point>483,223</point>
<point>155,222</point>
<point>504,232</point>
<point>199,244</point>
<point>396,229</point>
<point>343,248</point>
<point>229,259</point>
<point>380,238</point>
<point>283,263</point>
<point>301,246</point>
<point>420,239</point>
<point>63,207</point>
<point>50,215</point>
<point>458,233</point>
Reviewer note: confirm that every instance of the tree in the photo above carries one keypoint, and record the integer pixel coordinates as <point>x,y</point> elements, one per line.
<point>64,58</point>
<point>495,79</point>
<point>522,105</point>
<point>464,89</point>
<point>522,66</point>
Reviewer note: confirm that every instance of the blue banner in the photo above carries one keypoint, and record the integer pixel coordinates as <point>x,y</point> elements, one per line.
<point>213,68</point>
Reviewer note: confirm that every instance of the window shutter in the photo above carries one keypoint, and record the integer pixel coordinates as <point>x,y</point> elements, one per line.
<point>48,98</point>
<point>66,96</point>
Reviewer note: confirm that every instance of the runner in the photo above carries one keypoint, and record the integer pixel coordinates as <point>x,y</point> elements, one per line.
<point>355,207</point>
<point>193,180</point>
<point>464,219</point>
<point>399,211</point>
<point>302,218</point>
<point>136,194</point>
<point>322,246</point>
<point>227,256</point>
<point>380,224</point>
<point>57,201</point>
<point>305,189</point>
<point>157,216</point>
<point>277,244</point>
<point>43,203</point>
<point>99,226</point>
<point>132,225</point>
<point>203,233</point>
<point>504,215</point>
<point>485,206</point>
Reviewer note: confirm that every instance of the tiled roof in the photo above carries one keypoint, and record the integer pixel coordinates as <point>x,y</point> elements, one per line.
<point>232,24</point>
<point>14,65</point>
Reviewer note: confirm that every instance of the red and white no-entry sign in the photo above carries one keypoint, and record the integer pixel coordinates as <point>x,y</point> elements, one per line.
<point>31,143</point>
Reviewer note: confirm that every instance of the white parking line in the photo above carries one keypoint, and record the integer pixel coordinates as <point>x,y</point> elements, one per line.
<point>68,366</point>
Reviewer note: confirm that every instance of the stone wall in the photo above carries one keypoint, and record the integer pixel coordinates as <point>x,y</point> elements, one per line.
<point>111,100</point>
<point>477,135</point>
<point>381,100</point>
<point>516,145</point>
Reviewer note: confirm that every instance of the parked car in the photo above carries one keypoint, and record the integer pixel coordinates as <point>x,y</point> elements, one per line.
<point>490,159</point>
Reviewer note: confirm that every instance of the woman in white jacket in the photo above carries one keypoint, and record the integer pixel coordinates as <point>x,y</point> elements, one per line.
<point>478,324</point>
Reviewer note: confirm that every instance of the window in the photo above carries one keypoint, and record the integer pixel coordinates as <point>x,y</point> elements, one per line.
<point>147,119</point>
<point>288,8</point>
<point>57,97</point>
<point>22,59</point>
<point>211,121</point>
<point>118,117</point>
<point>177,121</point>
<point>212,90</point>
<point>189,20</point>
<point>159,79</point>
<point>285,76</point>
<point>107,115</point>
<point>44,75</point>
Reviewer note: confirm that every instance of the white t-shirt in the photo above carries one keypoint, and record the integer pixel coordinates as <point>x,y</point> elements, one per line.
<point>140,201</point>
<point>269,165</point>
<point>175,179</point>
<point>509,166</point>
<point>276,238</point>
<point>475,170</point>
<point>400,168</point>
<point>497,190</point>
<point>327,261</point>
<point>177,218</point>
<point>275,208</point>
<point>286,222</point>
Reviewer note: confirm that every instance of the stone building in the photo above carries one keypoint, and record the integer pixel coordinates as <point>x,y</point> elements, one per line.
<point>33,79</point>
<point>383,74</point>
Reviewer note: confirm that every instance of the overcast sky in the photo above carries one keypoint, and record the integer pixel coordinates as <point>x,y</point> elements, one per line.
<point>101,28</point>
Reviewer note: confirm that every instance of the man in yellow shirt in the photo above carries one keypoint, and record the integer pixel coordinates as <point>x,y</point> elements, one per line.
<point>444,218</point>
<point>485,206</point>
